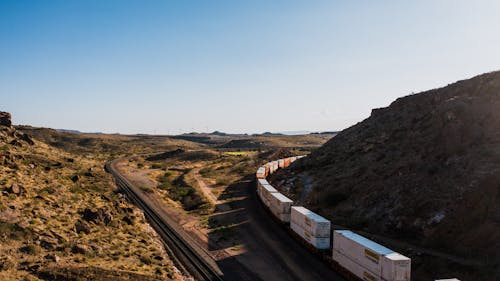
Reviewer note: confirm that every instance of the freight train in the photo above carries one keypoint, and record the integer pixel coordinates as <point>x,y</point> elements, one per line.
<point>352,255</point>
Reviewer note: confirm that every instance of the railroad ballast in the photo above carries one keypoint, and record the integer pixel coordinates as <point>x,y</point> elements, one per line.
<point>356,255</point>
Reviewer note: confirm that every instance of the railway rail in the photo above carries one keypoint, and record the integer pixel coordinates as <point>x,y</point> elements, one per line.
<point>191,260</point>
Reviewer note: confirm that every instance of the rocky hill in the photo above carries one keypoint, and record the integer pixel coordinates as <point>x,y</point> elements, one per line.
<point>61,218</point>
<point>424,170</point>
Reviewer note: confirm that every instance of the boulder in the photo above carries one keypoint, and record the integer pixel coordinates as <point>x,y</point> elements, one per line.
<point>82,226</point>
<point>48,243</point>
<point>80,249</point>
<point>15,189</point>
<point>98,216</point>
<point>27,138</point>
<point>5,119</point>
<point>53,257</point>
<point>75,178</point>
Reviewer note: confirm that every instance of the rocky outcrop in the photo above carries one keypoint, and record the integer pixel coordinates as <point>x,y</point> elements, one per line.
<point>98,216</point>
<point>5,119</point>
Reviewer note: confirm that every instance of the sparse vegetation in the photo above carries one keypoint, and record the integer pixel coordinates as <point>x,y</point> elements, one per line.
<point>39,219</point>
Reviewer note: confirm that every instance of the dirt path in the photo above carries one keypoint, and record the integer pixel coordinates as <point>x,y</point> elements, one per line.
<point>204,187</point>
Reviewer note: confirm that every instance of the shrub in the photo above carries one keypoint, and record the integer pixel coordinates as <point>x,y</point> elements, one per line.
<point>31,249</point>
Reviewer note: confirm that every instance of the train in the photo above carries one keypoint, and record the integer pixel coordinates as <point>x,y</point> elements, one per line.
<point>350,254</point>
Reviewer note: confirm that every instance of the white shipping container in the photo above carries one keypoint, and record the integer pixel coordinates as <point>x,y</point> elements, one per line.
<point>275,166</point>
<point>284,217</point>
<point>396,267</point>
<point>270,165</point>
<point>293,159</point>
<point>265,193</point>
<point>261,173</point>
<point>280,202</point>
<point>310,221</point>
<point>317,242</point>
<point>361,250</point>
<point>281,163</point>
<point>261,182</point>
<point>354,268</point>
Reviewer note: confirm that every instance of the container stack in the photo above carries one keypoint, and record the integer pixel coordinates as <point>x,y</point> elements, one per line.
<point>280,206</point>
<point>367,259</point>
<point>311,227</point>
<point>260,183</point>
<point>281,163</point>
<point>274,166</point>
<point>261,173</point>
<point>265,192</point>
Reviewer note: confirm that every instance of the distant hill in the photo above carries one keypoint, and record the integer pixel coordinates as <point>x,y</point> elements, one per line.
<point>425,169</point>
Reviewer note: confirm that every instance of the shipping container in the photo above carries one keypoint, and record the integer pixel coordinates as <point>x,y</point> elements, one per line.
<point>261,173</point>
<point>287,162</point>
<point>267,169</point>
<point>318,242</point>
<point>274,166</point>
<point>281,163</point>
<point>372,256</point>
<point>280,203</point>
<point>261,182</point>
<point>452,279</point>
<point>354,268</point>
<point>396,267</point>
<point>265,193</point>
<point>283,217</point>
<point>310,221</point>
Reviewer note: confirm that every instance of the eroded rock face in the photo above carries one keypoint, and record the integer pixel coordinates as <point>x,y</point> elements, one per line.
<point>5,119</point>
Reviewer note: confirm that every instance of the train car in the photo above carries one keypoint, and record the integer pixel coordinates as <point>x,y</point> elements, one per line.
<point>261,173</point>
<point>452,279</point>
<point>261,182</point>
<point>321,243</point>
<point>280,206</point>
<point>311,222</point>
<point>372,259</point>
<point>281,163</point>
<point>274,166</point>
<point>265,193</point>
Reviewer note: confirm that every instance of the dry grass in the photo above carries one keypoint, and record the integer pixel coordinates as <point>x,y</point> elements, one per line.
<point>46,219</point>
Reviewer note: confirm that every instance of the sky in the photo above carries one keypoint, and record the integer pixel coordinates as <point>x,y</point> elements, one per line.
<point>170,67</point>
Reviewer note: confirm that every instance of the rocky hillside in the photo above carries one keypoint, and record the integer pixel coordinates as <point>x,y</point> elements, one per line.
<point>425,169</point>
<point>61,219</point>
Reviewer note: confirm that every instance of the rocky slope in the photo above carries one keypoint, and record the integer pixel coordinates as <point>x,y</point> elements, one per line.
<point>425,169</point>
<point>61,219</point>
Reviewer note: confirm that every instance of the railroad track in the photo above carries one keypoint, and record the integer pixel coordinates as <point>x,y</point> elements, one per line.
<point>193,261</point>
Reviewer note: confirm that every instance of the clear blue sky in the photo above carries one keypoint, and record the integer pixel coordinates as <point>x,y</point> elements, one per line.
<point>235,66</point>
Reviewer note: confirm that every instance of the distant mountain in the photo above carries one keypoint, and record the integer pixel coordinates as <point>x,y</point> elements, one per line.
<point>76,131</point>
<point>269,134</point>
<point>291,133</point>
<point>425,169</point>
<point>325,133</point>
<point>68,131</point>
